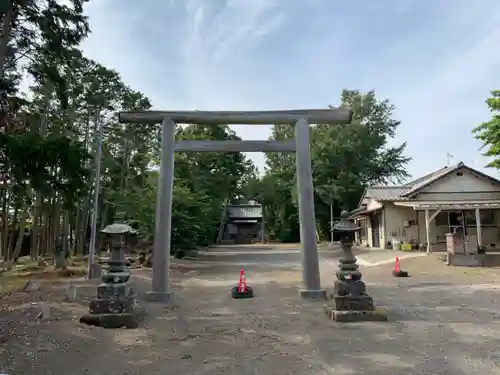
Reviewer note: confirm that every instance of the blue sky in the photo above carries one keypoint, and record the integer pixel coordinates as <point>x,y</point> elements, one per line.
<point>435,60</point>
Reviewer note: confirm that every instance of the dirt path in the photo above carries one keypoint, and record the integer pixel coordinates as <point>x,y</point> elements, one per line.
<point>441,325</point>
<point>209,333</point>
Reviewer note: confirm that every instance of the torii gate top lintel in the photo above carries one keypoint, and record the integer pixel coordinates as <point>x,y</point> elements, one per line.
<point>312,116</point>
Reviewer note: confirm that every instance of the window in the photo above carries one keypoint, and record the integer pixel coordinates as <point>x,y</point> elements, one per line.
<point>487,218</point>
<point>456,218</point>
<point>470,218</point>
<point>442,219</point>
<point>364,229</point>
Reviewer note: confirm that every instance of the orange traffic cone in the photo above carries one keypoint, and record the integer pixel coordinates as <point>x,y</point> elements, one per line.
<point>397,272</point>
<point>242,284</point>
<point>242,290</point>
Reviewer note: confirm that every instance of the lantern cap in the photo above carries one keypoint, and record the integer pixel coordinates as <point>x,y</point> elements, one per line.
<point>118,227</point>
<point>345,225</point>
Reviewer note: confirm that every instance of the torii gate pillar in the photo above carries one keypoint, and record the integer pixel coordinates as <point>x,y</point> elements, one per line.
<point>307,218</point>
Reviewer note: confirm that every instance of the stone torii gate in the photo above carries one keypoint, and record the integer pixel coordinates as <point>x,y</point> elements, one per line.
<point>161,289</point>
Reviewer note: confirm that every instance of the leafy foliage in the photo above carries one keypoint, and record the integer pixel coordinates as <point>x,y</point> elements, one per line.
<point>49,140</point>
<point>345,160</point>
<point>489,132</point>
<point>203,183</point>
<point>52,164</point>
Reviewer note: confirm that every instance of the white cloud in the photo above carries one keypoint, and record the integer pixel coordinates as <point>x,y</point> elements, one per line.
<point>441,100</point>
<point>235,28</point>
<point>211,42</point>
<point>214,42</point>
<point>436,61</point>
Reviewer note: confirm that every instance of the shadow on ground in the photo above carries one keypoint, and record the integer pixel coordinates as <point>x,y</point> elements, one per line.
<point>442,325</point>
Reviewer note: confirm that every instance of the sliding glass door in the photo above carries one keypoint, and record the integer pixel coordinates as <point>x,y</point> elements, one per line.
<point>459,221</point>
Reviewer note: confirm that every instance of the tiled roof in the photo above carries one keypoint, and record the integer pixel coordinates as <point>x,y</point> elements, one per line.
<point>358,210</point>
<point>386,193</point>
<point>424,178</point>
<point>394,193</point>
<point>404,192</point>
<point>430,178</point>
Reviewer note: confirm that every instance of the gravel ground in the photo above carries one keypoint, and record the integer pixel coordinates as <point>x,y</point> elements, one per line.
<point>443,320</point>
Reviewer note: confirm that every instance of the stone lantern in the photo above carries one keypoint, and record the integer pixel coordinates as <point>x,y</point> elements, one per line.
<point>115,305</point>
<point>350,300</point>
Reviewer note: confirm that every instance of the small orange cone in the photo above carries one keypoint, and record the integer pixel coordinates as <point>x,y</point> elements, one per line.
<point>396,265</point>
<point>397,272</point>
<point>242,283</point>
<point>242,290</point>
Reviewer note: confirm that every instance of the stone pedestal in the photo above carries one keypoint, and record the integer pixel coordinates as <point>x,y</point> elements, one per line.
<point>351,303</point>
<point>375,315</point>
<point>113,298</point>
<point>466,260</point>
<point>115,305</point>
<point>347,303</point>
<point>162,297</point>
<point>319,294</point>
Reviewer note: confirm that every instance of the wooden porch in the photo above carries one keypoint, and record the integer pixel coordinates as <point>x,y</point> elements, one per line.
<point>469,219</point>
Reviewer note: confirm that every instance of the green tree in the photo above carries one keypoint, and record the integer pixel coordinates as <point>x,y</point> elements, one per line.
<point>212,177</point>
<point>49,140</point>
<point>345,159</point>
<point>42,33</point>
<point>489,132</point>
<point>36,38</point>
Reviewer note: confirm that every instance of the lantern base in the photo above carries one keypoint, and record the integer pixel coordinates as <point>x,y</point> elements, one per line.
<point>117,305</point>
<point>120,312</point>
<point>112,320</point>
<point>348,287</point>
<point>376,315</point>
<point>160,297</point>
<point>319,294</point>
<point>362,302</point>
<point>114,291</point>
<point>354,308</point>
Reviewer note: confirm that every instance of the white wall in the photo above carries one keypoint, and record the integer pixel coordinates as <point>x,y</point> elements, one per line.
<point>367,240</point>
<point>395,218</point>
<point>371,205</point>
<point>468,186</point>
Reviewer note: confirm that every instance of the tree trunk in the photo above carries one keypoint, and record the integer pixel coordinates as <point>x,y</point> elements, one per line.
<point>331,221</point>
<point>45,240</point>
<point>85,225</point>
<point>35,231</point>
<point>34,243</point>
<point>5,37</point>
<point>83,213</point>
<point>75,233</point>
<point>124,171</point>
<point>66,233</point>
<point>20,237</point>
<point>50,226</point>
<point>56,224</point>
<point>4,244</point>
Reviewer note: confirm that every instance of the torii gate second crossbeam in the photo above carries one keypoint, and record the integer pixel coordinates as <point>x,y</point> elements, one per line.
<point>161,288</point>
